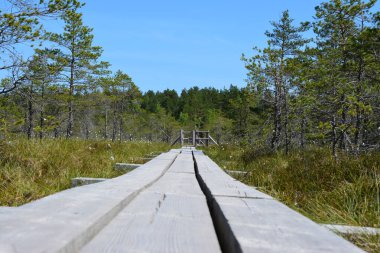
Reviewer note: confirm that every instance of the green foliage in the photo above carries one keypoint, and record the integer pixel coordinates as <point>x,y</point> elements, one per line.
<point>79,59</point>
<point>298,93</point>
<point>270,71</point>
<point>325,89</point>
<point>20,23</point>
<point>78,55</point>
<point>207,108</point>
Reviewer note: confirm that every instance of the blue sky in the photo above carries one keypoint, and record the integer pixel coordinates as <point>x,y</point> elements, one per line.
<point>180,44</point>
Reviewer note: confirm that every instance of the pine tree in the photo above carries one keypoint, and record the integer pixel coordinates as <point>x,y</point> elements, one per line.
<point>80,57</point>
<point>267,70</point>
<point>20,24</point>
<point>123,96</point>
<point>341,82</point>
<point>41,72</point>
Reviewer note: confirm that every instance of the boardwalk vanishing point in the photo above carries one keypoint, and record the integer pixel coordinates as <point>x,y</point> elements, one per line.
<point>180,201</point>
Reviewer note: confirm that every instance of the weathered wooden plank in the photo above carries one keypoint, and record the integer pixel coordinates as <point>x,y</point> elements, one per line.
<point>184,163</point>
<point>4,210</point>
<point>344,229</point>
<point>220,183</point>
<point>80,181</point>
<point>65,221</point>
<point>250,222</point>
<point>158,223</point>
<point>263,225</point>
<point>170,216</point>
<point>237,172</point>
<point>126,166</point>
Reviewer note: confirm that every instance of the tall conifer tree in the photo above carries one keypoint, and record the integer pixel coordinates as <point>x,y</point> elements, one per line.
<point>79,57</point>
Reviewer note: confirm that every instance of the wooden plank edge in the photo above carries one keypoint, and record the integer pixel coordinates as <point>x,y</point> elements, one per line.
<point>79,181</point>
<point>237,172</point>
<point>227,240</point>
<point>352,230</point>
<point>88,234</point>
<point>127,166</point>
<point>81,238</point>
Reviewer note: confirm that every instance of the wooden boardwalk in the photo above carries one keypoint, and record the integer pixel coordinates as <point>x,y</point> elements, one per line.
<point>180,201</point>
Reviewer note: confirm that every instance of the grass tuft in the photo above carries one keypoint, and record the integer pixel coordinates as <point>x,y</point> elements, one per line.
<point>33,169</point>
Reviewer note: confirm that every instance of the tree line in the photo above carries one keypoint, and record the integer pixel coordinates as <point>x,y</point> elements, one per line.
<point>315,83</point>
<point>323,89</point>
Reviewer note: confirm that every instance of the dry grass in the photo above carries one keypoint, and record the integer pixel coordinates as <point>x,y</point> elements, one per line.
<point>33,169</point>
<point>370,243</point>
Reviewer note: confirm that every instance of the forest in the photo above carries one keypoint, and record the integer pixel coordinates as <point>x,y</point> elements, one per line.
<point>315,83</point>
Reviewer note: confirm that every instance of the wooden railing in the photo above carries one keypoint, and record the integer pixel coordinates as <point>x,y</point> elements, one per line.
<point>194,138</point>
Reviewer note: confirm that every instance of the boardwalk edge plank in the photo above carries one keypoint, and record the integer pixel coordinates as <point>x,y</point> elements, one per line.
<point>277,229</point>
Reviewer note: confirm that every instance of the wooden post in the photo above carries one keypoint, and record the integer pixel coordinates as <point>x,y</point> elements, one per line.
<point>181,137</point>
<point>194,138</point>
<point>208,137</point>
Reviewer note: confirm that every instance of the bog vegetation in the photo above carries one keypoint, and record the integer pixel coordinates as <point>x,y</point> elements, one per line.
<point>30,170</point>
<point>307,122</point>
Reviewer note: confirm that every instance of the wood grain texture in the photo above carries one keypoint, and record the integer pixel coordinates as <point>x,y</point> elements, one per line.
<point>80,181</point>
<point>126,166</point>
<point>65,221</point>
<point>220,183</point>
<point>170,216</point>
<point>261,224</point>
